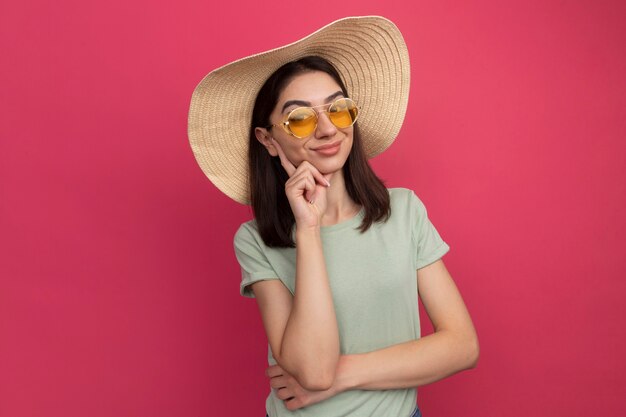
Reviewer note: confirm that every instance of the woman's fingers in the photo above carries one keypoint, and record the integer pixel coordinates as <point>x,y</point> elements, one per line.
<point>313,178</point>
<point>318,176</point>
<point>304,182</point>
<point>291,168</point>
<point>328,177</point>
<point>321,178</point>
<point>278,382</point>
<point>286,163</point>
<point>274,370</point>
<point>284,394</point>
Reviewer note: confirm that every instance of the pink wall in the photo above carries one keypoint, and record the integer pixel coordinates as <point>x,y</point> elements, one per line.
<point>118,283</point>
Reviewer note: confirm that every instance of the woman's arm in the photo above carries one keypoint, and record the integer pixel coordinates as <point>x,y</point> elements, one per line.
<point>452,348</point>
<point>303,332</point>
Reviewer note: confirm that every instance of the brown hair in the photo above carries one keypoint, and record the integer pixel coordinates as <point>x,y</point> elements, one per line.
<point>267,180</point>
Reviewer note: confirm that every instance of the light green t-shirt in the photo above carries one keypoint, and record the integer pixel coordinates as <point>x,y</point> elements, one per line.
<point>373,280</point>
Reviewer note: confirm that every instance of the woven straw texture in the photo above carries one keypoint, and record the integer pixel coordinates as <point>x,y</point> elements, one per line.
<point>372,59</point>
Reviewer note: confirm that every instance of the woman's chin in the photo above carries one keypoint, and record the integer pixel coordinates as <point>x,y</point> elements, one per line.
<point>329,166</point>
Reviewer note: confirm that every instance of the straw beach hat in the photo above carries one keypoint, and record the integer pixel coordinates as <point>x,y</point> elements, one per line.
<point>368,52</point>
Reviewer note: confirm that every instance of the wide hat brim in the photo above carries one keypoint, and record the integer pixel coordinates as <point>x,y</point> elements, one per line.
<point>372,58</point>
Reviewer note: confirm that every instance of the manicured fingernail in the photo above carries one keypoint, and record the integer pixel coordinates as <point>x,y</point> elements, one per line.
<point>327,182</point>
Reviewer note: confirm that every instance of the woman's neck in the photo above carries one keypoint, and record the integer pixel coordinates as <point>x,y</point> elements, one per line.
<point>340,206</point>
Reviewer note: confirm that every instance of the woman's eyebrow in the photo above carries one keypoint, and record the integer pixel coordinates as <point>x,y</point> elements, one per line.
<point>308,103</point>
<point>295,102</point>
<point>333,96</point>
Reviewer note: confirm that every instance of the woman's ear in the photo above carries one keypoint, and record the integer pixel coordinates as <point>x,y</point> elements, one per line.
<point>264,137</point>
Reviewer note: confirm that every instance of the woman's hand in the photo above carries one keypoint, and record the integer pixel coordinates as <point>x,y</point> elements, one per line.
<point>291,392</point>
<point>305,190</point>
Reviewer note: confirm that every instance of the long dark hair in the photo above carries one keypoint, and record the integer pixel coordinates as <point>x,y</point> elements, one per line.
<point>267,180</point>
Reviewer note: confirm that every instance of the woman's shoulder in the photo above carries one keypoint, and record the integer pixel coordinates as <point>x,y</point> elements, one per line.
<point>247,232</point>
<point>401,195</point>
<point>404,201</point>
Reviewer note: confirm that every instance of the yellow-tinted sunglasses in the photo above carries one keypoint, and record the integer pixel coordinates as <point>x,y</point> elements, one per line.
<point>302,121</point>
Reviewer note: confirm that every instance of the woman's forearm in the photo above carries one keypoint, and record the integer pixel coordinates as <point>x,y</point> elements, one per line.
<point>408,364</point>
<point>310,344</point>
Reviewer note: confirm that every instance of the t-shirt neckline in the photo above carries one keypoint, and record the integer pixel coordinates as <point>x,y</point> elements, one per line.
<point>351,222</point>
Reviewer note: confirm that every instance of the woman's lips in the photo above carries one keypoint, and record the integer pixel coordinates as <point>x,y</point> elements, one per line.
<point>329,150</point>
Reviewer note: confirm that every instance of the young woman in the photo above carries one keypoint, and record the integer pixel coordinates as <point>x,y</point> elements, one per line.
<point>334,259</point>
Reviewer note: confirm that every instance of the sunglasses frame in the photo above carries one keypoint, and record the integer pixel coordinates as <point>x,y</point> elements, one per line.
<point>285,123</point>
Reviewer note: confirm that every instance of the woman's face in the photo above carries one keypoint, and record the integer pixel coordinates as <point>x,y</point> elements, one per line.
<point>328,147</point>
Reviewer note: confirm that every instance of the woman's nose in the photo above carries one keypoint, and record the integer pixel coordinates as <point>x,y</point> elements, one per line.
<point>325,128</point>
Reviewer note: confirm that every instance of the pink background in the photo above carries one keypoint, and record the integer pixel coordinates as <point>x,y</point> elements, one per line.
<point>119,286</point>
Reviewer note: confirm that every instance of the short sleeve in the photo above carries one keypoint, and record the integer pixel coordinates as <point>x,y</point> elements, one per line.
<point>429,246</point>
<point>252,259</point>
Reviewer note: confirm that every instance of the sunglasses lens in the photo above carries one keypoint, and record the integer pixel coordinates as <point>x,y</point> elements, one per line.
<point>343,112</point>
<point>302,122</point>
